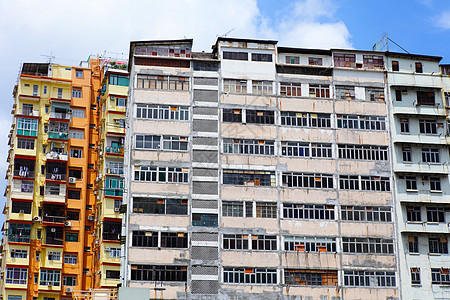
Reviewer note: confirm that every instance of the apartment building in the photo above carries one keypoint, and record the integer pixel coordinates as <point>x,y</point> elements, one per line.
<point>47,238</point>
<point>109,182</point>
<point>258,171</point>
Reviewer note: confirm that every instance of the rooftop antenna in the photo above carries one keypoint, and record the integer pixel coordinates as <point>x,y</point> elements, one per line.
<point>49,57</point>
<point>226,33</point>
<point>383,44</point>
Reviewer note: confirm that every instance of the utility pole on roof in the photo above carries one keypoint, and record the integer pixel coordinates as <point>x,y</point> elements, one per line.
<point>49,57</point>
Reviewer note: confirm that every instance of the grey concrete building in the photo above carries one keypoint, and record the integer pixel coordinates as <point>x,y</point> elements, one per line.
<point>262,172</point>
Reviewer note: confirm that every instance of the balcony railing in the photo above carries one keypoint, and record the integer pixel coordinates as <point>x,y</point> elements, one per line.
<point>52,176</point>
<point>58,135</point>
<point>57,156</point>
<point>19,238</point>
<point>54,241</point>
<point>28,112</point>
<point>114,150</point>
<point>114,192</point>
<point>24,173</point>
<point>59,115</point>
<point>111,236</point>
<point>54,219</point>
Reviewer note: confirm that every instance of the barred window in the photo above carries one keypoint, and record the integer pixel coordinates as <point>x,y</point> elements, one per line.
<point>367,245</point>
<point>235,241</point>
<point>307,180</point>
<point>438,245</point>
<point>266,210</point>
<point>161,174</point>
<point>261,57</point>
<point>162,112</point>
<point>235,55</point>
<point>23,143</point>
<point>262,87</point>
<point>309,244</point>
<point>428,126</point>
<point>345,60</point>
<point>299,119</point>
<point>249,178</point>
<point>249,275</point>
<point>160,206</point>
<point>238,86</point>
<point>373,62</point>
<point>290,89</point>
<point>175,83</point>
<point>425,98</point>
<point>319,91</point>
<point>345,92</point>
<point>308,211</point>
<point>264,242</point>
<point>239,146</point>
<point>366,213</point>
<point>369,278</point>
<point>361,122</point>
<point>21,207</point>
<point>430,155</point>
<point>168,142</point>
<point>232,115</point>
<point>436,214</point>
<point>415,275</point>
<point>440,276</point>
<point>158,273</point>
<point>375,94</point>
<point>363,152</point>
<point>304,277</point>
<point>260,117</point>
<point>375,183</point>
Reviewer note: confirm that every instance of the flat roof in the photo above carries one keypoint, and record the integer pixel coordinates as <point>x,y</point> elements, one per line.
<point>304,51</point>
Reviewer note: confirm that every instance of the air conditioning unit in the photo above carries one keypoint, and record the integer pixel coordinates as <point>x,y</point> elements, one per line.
<point>21,211</point>
<point>69,290</point>
<point>107,249</point>
<point>96,242</point>
<point>37,219</point>
<point>53,229</point>
<point>90,218</point>
<point>68,223</point>
<point>72,180</point>
<point>116,209</point>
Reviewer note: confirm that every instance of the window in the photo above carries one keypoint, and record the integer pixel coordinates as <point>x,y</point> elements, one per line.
<point>76,134</point>
<point>264,242</point>
<point>363,152</point>
<point>407,154</point>
<point>161,174</point>
<point>76,93</point>
<point>235,55</point>
<point>114,252</point>
<point>292,60</point>
<point>440,276</point>
<point>413,214</point>
<point>115,167</point>
<point>207,220</point>
<point>116,79</point>
<point>235,242</point>
<point>367,245</point>
<point>235,86</point>
<point>260,117</point>
<point>369,278</point>
<point>160,206</point>
<point>26,186</point>
<point>438,245</point>
<point>375,183</point>
<point>315,61</point>
<point>366,213</point>
<point>308,211</point>
<point>435,184</point>
<point>411,183</point>
<point>436,214</point>
<point>419,67</point>
<point>16,275</point>
<point>71,237</point>
<point>425,98</point>
<point>76,173</point>
<point>206,66</point>
<point>174,240</point>
<point>428,126</point>
<point>50,277</point>
<point>413,244</point>
<point>311,277</point>
<point>16,253</point>
<point>23,143</point>
<point>430,155</point>
<point>345,92</point>
<point>232,209</point>
<point>344,60</point>
<point>249,178</point>
<point>262,87</point>
<point>232,115</point>
<point>398,95</point>
<point>112,274</point>
<point>19,232</point>
<point>158,273</point>
<point>290,89</point>
<point>319,91</point>
<point>69,280</point>
<point>261,57</point>
<point>374,94</point>
<point>21,207</point>
<point>309,244</point>
<point>73,215</point>
<point>27,109</point>
<point>78,113</point>
<point>404,125</point>
<point>447,99</point>
<point>145,239</point>
<point>307,180</point>
<point>52,255</point>
<point>266,210</point>
<point>299,119</point>
<point>168,142</point>
<point>249,275</point>
<point>27,127</point>
<point>76,153</point>
<point>295,149</point>
<point>248,147</point>
<point>35,90</point>
<point>395,66</point>
<point>361,122</point>
<point>15,297</point>
<point>373,62</point>
<point>114,186</point>
<point>74,194</point>
<point>162,112</point>
<point>79,73</point>
<point>60,93</point>
<point>70,259</point>
<point>162,82</point>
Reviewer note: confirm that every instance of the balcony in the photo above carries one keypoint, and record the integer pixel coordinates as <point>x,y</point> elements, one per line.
<point>60,115</point>
<point>24,168</point>
<point>19,238</point>
<point>58,135</point>
<point>58,130</point>
<point>56,171</point>
<point>111,230</point>
<point>57,156</point>
<point>19,232</point>
<point>114,192</point>
<point>54,236</point>
<point>55,192</point>
<point>111,236</point>
<point>53,214</point>
<point>23,189</point>
<point>114,150</point>
<point>56,176</point>
<point>27,112</point>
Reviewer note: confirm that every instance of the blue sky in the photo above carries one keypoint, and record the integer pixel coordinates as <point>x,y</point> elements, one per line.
<point>72,30</point>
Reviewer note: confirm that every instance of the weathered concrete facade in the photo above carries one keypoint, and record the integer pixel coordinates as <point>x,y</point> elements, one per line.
<point>258,171</point>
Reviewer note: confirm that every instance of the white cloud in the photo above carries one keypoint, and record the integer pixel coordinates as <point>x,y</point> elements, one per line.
<point>443,20</point>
